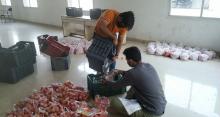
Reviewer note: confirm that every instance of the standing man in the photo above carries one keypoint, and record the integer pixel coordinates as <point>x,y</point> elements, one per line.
<point>113,26</point>
<point>145,85</point>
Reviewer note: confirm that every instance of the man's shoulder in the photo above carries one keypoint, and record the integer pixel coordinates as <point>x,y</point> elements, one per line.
<point>144,65</point>
<point>113,11</point>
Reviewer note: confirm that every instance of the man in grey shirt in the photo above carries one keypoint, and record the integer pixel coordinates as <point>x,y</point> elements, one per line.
<point>145,87</point>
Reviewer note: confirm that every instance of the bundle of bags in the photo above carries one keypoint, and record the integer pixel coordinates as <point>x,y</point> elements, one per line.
<point>60,100</point>
<point>77,46</point>
<point>180,51</point>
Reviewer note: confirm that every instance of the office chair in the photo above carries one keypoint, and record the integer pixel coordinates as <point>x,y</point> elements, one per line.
<point>7,15</point>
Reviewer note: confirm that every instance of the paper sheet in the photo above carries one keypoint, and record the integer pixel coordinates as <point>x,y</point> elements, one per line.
<point>130,105</point>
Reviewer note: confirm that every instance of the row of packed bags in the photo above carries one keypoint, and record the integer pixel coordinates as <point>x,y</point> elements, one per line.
<point>180,51</point>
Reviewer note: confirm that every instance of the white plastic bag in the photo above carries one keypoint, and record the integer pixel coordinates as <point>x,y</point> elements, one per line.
<point>158,44</point>
<point>175,54</point>
<point>159,51</point>
<point>184,56</point>
<point>79,49</point>
<point>165,45</point>
<point>211,54</point>
<point>203,57</point>
<point>167,52</point>
<point>151,50</point>
<point>194,56</point>
<point>151,44</point>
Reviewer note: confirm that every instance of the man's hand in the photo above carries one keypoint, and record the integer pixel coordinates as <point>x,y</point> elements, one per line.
<point>114,58</point>
<point>115,41</point>
<point>104,81</point>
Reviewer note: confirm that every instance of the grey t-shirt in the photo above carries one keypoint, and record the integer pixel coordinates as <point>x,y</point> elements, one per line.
<point>147,87</point>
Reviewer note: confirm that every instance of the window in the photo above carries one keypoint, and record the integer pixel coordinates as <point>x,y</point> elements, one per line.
<point>195,8</point>
<point>6,2</point>
<point>30,3</point>
<point>84,4</point>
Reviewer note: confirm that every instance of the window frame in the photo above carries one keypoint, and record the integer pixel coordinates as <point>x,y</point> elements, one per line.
<point>6,3</point>
<point>196,17</point>
<point>79,5</point>
<point>29,6</point>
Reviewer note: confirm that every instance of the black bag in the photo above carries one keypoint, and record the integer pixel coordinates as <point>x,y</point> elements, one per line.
<point>95,13</point>
<point>74,12</point>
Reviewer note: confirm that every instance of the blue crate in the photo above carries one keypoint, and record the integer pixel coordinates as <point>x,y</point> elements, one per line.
<point>60,63</point>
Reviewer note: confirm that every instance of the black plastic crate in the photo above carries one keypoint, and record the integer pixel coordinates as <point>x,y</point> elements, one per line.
<point>13,75</point>
<point>32,48</point>
<point>17,55</point>
<point>96,87</point>
<point>95,13</point>
<point>98,52</point>
<point>60,63</point>
<point>74,12</point>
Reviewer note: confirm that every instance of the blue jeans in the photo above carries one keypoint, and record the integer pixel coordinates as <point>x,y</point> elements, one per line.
<point>110,56</point>
<point>112,66</point>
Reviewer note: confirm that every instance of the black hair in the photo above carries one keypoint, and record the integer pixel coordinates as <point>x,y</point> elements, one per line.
<point>127,19</point>
<point>133,53</point>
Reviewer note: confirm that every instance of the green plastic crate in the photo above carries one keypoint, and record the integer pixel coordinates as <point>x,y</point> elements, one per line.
<point>96,87</point>
<point>19,54</point>
<point>13,75</point>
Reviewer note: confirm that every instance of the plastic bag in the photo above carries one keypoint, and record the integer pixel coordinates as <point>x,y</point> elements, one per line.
<point>151,50</point>
<point>194,56</point>
<point>160,51</point>
<point>167,52</point>
<point>184,56</point>
<point>203,57</point>
<point>165,45</point>
<point>211,54</point>
<point>151,44</point>
<point>79,49</point>
<point>175,54</point>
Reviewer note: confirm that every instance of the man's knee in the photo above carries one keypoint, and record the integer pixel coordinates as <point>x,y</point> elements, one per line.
<point>117,106</point>
<point>115,102</point>
<point>142,113</point>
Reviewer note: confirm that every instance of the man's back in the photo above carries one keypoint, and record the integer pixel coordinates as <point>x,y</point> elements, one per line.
<point>110,18</point>
<point>148,89</point>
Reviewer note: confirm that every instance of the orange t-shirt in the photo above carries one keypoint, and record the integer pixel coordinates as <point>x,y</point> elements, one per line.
<point>110,16</point>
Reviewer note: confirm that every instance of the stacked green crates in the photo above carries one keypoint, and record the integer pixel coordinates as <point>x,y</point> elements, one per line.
<point>96,87</point>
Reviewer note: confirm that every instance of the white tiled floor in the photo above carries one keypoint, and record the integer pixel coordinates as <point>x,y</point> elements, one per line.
<point>192,88</point>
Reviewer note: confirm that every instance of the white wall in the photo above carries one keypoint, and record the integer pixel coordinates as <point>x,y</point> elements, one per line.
<point>152,20</point>
<point>48,11</point>
<point>153,23</point>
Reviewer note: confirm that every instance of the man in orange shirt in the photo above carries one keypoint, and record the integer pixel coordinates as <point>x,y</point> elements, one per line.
<point>113,25</point>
